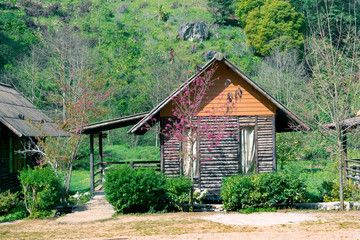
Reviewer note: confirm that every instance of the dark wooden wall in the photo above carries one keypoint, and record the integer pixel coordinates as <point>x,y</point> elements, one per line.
<point>8,180</point>
<point>170,153</point>
<point>225,159</point>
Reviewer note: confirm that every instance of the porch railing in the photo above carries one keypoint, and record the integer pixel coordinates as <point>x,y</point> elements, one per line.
<point>352,169</point>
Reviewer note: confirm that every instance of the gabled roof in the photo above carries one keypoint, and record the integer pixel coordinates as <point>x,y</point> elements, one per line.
<point>285,119</point>
<point>20,116</point>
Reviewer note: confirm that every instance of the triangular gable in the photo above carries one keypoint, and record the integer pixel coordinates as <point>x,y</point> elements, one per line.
<point>264,103</point>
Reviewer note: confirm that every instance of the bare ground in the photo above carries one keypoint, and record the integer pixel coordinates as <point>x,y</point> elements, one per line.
<point>328,225</point>
<point>95,222</point>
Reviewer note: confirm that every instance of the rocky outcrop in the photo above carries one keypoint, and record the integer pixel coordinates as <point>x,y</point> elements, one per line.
<point>197,31</point>
<point>208,55</point>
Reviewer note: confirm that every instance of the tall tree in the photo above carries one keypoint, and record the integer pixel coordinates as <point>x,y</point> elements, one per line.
<point>332,92</point>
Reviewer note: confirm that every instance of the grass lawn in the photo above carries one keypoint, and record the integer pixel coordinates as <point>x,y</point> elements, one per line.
<point>80,181</point>
<point>313,173</point>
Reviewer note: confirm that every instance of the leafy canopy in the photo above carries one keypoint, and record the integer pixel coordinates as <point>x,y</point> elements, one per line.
<point>273,25</point>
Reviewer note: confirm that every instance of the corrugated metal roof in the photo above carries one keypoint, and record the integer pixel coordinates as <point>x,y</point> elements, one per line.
<point>22,117</point>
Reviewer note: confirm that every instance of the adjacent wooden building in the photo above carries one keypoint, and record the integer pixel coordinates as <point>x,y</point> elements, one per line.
<point>251,148</point>
<point>18,118</point>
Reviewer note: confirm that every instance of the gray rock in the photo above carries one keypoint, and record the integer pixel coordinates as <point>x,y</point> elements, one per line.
<point>194,31</point>
<point>208,55</point>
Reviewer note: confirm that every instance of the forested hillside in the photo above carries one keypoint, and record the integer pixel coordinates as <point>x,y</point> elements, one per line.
<point>132,52</point>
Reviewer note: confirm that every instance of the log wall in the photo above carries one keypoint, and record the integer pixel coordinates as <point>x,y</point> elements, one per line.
<point>225,159</point>
<point>8,179</point>
<point>170,154</point>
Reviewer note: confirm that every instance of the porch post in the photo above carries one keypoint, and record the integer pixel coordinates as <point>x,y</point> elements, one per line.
<point>256,146</point>
<point>101,157</point>
<point>344,146</point>
<point>274,165</point>
<point>92,188</point>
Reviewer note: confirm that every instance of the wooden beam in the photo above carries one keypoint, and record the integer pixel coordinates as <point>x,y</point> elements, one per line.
<point>162,124</point>
<point>256,146</point>
<point>92,185</point>
<point>101,156</point>
<point>274,167</point>
<point>239,146</point>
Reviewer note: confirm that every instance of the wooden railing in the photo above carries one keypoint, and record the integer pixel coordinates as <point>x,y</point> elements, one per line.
<point>132,165</point>
<point>352,169</point>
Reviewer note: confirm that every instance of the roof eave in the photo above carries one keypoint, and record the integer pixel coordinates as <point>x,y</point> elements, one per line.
<point>156,110</point>
<point>8,125</point>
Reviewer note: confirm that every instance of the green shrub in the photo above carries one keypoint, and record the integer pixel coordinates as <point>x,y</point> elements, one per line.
<point>16,213</point>
<point>8,201</point>
<point>351,191</point>
<point>41,189</point>
<point>178,191</point>
<point>261,190</point>
<point>136,191</point>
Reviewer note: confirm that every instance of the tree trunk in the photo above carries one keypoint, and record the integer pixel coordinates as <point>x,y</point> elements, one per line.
<point>340,158</point>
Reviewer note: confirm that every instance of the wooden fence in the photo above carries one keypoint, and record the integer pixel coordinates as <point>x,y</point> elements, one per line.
<point>132,164</point>
<point>352,169</point>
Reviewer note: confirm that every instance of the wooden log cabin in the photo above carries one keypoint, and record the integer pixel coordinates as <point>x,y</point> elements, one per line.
<point>251,148</point>
<point>18,118</point>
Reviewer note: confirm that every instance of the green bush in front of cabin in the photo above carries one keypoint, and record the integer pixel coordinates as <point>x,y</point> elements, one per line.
<point>261,191</point>
<point>144,190</point>
<point>136,191</point>
<point>41,190</point>
<point>8,201</point>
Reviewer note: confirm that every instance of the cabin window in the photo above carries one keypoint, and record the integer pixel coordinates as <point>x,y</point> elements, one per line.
<point>16,159</point>
<point>247,150</point>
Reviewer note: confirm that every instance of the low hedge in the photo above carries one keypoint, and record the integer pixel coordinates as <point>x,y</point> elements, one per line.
<point>144,190</point>
<point>261,190</point>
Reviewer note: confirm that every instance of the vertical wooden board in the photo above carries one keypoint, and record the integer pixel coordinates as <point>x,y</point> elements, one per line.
<point>222,160</point>
<point>274,143</point>
<point>256,146</point>
<point>171,156</point>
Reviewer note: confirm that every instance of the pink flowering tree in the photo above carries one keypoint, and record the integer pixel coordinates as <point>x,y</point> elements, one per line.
<point>84,102</point>
<point>191,124</point>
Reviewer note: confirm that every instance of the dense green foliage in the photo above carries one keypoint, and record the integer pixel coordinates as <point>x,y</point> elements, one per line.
<point>244,7</point>
<point>144,190</point>
<point>178,191</point>
<point>261,191</point>
<point>41,190</point>
<point>351,191</point>
<point>8,201</point>
<point>220,9</point>
<point>135,190</point>
<point>17,213</point>
<point>274,25</point>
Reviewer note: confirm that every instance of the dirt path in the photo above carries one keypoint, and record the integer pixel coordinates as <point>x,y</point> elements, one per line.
<point>284,224</point>
<point>328,225</point>
<point>94,210</point>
